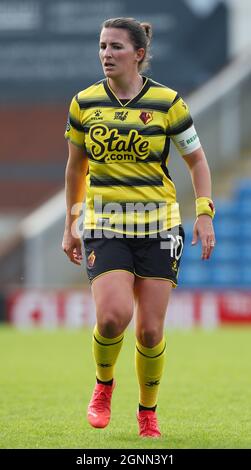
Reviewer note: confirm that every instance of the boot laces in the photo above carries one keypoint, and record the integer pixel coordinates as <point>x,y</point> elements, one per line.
<point>102,400</point>
<point>149,422</point>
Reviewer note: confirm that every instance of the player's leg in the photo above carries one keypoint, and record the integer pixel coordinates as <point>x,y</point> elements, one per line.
<point>156,268</point>
<point>152,296</point>
<point>110,270</point>
<point>113,295</point>
<point>109,267</point>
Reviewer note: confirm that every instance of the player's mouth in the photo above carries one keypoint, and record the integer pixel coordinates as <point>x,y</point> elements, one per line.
<point>108,65</point>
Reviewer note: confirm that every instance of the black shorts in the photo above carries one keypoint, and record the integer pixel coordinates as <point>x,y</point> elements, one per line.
<point>157,258</point>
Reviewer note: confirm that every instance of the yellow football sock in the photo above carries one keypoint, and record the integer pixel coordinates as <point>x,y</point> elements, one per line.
<point>105,351</point>
<point>149,368</point>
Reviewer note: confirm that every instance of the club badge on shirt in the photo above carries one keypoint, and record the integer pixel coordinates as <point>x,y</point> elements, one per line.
<point>146,116</point>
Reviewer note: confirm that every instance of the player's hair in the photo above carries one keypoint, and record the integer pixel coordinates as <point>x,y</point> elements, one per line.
<point>139,33</point>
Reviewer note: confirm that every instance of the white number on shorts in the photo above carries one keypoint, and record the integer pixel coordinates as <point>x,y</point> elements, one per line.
<point>174,244</point>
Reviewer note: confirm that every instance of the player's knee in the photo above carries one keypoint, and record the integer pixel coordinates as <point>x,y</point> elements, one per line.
<point>113,323</point>
<point>149,336</point>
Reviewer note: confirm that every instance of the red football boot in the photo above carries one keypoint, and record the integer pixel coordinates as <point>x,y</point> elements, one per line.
<point>99,408</point>
<point>148,424</point>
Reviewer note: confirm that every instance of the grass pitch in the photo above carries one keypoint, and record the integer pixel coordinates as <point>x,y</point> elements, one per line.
<point>47,377</point>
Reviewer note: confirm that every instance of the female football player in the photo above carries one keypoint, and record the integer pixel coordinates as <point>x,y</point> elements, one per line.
<point>119,131</point>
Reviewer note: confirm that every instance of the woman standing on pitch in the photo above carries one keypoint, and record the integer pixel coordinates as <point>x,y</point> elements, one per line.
<point>119,132</point>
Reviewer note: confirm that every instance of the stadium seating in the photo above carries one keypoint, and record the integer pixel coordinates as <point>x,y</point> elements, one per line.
<point>230,265</point>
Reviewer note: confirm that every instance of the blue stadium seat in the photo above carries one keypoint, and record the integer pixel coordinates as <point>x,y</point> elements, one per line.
<point>230,264</point>
<point>193,275</point>
<point>245,252</point>
<point>191,253</point>
<point>226,209</point>
<point>188,228</point>
<point>225,275</point>
<point>243,189</point>
<point>226,250</point>
<point>244,207</point>
<point>226,228</point>
<point>245,229</point>
<point>245,276</point>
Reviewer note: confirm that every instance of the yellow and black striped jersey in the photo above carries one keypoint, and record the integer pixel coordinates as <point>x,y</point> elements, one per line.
<point>127,144</point>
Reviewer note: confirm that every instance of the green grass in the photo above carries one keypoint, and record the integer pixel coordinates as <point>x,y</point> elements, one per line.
<point>46,380</point>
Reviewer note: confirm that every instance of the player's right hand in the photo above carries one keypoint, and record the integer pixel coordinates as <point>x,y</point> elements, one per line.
<point>72,247</point>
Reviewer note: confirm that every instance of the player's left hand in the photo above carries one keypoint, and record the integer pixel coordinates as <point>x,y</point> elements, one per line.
<point>203,230</point>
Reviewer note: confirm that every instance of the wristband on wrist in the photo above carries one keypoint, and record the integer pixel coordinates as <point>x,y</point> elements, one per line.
<point>204,205</point>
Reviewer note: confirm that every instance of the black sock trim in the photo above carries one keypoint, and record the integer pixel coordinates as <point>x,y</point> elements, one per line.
<point>109,382</point>
<point>111,344</point>
<point>151,357</point>
<point>145,408</point>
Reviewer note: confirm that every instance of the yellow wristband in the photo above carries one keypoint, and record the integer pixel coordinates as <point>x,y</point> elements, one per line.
<point>204,205</point>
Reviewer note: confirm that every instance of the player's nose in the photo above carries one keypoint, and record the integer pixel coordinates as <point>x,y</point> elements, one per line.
<point>107,53</point>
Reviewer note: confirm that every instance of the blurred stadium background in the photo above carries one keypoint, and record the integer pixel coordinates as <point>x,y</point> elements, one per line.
<point>48,52</point>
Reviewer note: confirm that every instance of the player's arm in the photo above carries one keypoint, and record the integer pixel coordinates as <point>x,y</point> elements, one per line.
<point>201,179</point>
<point>75,182</point>
<point>185,138</point>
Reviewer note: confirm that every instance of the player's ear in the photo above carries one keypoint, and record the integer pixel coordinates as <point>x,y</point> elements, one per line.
<point>140,53</point>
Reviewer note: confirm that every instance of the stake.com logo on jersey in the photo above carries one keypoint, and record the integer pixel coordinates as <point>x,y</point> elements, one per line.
<point>110,146</point>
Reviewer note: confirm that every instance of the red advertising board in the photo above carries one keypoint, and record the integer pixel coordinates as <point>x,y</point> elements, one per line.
<point>75,308</point>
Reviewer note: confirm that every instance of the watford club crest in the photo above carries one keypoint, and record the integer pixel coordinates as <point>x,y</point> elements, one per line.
<point>91,259</point>
<point>146,116</point>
